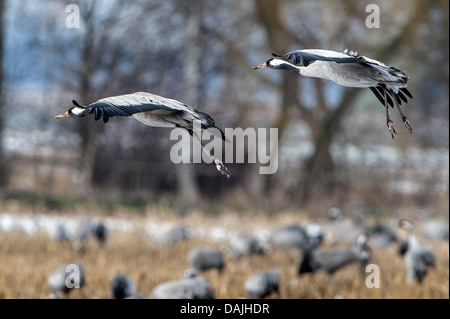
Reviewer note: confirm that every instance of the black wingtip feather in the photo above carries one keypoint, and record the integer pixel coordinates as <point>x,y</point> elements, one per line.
<point>377,94</point>
<point>97,114</point>
<point>406,91</point>
<point>400,95</point>
<point>388,97</point>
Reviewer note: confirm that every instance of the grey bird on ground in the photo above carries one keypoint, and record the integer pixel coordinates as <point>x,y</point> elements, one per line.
<point>60,232</point>
<point>417,258</point>
<point>175,235</point>
<point>152,110</point>
<point>436,229</point>
<point>190,287</point>
<point>349,69</point>
<point>122,286</point>
<point>296,236</point>
<point>332,260</point>
<point>101,232</point>
<point>381,235</point>
<point>86,228</point>
<point>263,284</point>
<point>246,244</point>
<point>65,278</point>
<point>205,258</point>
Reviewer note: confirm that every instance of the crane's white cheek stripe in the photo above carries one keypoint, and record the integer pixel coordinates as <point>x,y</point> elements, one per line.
<point>77,111</point>
<point>250,145</point>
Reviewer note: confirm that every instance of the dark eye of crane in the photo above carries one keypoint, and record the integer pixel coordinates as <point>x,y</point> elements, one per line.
<point>268,61</point>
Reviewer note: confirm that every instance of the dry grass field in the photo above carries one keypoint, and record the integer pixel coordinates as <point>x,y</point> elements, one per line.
<point>26,261</point>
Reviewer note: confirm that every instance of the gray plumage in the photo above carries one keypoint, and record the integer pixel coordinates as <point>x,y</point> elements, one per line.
<point>60,232</point>
<point>152,110</point>
<point>122,286</point>
<point>292,236</point>
<point>334,213</point>
<point>417,258</point>
<point>57,280</point>
<point>436,229</point>
<point>245,244</point>
<point>349,69</point>
<point>82,232</point>
<point>190,287</point>
<point>381,235</point>
<point>175,235</point>
<point>295,236</point>
<point>205,258</point>
<point>87,228</point>
<point>332,260</point>
<point>262,284</point>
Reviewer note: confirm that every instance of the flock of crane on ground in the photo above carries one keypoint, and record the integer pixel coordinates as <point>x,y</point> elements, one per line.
<point>307,239</point>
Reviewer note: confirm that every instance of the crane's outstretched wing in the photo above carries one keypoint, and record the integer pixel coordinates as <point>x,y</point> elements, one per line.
<point>129,104</point>
<point>139,102</point>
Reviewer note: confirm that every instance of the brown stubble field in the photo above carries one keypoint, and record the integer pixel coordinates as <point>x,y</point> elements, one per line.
<point>26,260</point>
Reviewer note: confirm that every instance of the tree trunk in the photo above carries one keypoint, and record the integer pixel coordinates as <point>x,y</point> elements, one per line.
<point>88,131</point>
<point>187,186</point>
<point>268,14</point>
<point>2,100</point>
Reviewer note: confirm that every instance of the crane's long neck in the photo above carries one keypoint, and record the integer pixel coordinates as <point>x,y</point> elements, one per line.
<point>283,65</point>
<point>412,239</point>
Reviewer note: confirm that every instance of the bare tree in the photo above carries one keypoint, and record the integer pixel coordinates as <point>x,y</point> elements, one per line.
<point>2,97</point>
<point>324,124</point>
<point>186,182</point>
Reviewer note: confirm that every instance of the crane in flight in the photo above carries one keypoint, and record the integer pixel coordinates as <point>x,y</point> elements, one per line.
<point>348,68</point>
<point>152,110</point>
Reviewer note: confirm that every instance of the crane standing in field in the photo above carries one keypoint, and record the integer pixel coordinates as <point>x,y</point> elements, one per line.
<point>332,260</point>
<point>417,258</point>
<point>152,110</point>
<point>351,70</point>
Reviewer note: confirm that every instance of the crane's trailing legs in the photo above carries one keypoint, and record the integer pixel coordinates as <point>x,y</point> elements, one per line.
<point>405,120</point>
<point>390,124</point>
<point>219,165</point>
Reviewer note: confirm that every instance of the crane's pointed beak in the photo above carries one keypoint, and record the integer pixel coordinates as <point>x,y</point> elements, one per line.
<point>65,114</point>
<point>261,66</point>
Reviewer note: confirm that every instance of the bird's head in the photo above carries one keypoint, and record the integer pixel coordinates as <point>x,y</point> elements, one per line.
<point>361,240</point>
<point>406,224</point>
<point>76,110</point>
<point>273,63</point>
